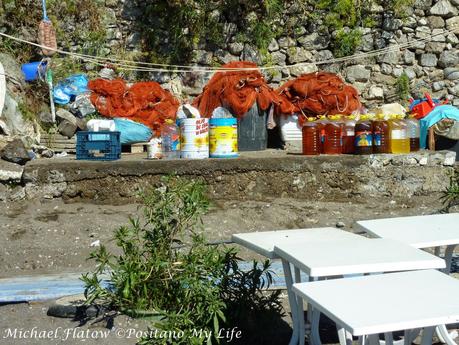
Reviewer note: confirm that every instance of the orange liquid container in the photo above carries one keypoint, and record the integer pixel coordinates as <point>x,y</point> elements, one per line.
<point>381,135</point>
<point>363,142</point>
<point>311,138</point>
<point>348,135</point>
<point>399,140</point>
<point>332,142</point>
<point>322,121</point>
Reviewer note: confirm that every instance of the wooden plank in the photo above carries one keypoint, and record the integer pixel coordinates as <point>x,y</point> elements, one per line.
<point>135,148</point>
<point>46,287</point>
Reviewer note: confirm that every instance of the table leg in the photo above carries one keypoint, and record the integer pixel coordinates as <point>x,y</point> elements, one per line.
<point>345,338</point>
<point>292,301</point>
<point>442,333</point>
<point>427,335</point>
<point>449,258</point>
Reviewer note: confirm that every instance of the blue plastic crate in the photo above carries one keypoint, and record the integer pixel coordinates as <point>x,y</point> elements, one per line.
<point>98,146</point>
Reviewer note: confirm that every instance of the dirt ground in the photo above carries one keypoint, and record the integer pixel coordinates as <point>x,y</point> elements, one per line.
<point>50,237</point>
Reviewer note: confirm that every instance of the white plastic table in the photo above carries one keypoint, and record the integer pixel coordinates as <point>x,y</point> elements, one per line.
<point>334,258</point>
<point>419,231</point>
<point>263,242</point>
<point>431,231</point>
<point>384,303</point>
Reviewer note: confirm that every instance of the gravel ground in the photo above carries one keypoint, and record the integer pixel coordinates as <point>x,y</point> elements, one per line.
<point>51,237</point>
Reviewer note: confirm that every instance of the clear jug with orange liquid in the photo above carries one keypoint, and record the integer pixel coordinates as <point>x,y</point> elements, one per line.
<point>311,138</point>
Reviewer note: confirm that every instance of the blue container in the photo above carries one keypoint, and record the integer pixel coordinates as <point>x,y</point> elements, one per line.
<point>98,146</point>
<point>223,138</point>
<point>31,70</point>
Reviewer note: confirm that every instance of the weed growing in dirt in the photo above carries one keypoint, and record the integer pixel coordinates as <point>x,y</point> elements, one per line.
<point>450,197</point>
<point>167,269</point>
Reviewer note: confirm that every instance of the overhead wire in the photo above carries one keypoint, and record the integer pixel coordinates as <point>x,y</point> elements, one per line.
<point>171,68</point>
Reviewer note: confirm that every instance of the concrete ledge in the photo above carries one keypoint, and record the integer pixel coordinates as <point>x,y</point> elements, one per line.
<point>253,176</point>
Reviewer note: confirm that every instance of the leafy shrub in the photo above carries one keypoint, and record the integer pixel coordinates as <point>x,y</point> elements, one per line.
<point>166,267</point>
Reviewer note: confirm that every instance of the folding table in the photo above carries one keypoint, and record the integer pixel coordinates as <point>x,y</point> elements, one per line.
<point>328,259</point>
<point>385,303</point>
<point>430,231</point>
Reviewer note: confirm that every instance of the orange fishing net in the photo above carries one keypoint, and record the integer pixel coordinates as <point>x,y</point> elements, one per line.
<point>320,93</point>
<point>144,102</point>
<point>238,91</point>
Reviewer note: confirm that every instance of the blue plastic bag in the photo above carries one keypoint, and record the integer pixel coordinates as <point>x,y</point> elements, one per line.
<point>132,132</point>
<point>66,90</point>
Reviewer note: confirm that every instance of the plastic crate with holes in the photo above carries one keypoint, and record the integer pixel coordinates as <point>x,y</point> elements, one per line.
<point>98,146</point>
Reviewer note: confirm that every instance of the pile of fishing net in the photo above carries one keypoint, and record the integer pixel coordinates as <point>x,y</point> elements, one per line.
<point>320,93</point>
<point>144,102</point>
<point>238,91</point>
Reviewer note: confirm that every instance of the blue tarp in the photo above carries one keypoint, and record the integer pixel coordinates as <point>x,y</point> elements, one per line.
<point>437,114</point>
<point>132,132</point>
<point>67,89</point>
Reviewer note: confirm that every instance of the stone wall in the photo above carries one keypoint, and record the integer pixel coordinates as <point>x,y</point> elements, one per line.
<point>256,177</point>
<point>432,66</point>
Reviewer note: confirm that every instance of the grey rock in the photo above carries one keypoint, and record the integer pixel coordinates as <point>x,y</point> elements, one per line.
<point>449,58</point>
<point>340,225</point>
<point>410,22</point>
<point>236,48</point>
<point>436,22</point>
<point>386,68</point>
<point>109,17</point>
<point>251,53</point>
<point>278,58</point>
<point>391,57</point>
<point>397,71</point>
<point>423,4</point>
<point>12,117</point>
<point>453,76</point>
<point>422,21</point>
<point>358,73</point>
<point>298,54</point>
<point>225,57</point>
<point>409,57</point>
<point>452,39</point>
<point>314,41</point>
<point>423,32</point>
<point>324,55</point>
<point>273,46</point>
<point>303,69</point>
<point>204,57</point>
<point>286,42</point>
<point>10,172</point>
<point>454,90</point>
<point>391,24</point>
<point>438,35</point>
<point>375,92</point>
<point>435,47</point>
<point>67,128</point>
<point>444,8</point>
<point>15,152</point>
<point>438,85</point>
<point>452,23</point>
<point>428,60</point>
<point>411,74</point>
<point>367,43</point>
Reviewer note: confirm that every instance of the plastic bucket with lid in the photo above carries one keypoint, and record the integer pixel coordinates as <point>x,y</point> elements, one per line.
<point>31,70</point>
<point>223,138</point>
<point>194,138</point>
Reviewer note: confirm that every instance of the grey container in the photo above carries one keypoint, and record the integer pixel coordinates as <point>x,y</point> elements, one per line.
<point>251,130</point>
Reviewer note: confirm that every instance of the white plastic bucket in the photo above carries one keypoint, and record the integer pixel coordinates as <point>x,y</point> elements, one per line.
<point>194,138</point>
<point>290,129</point>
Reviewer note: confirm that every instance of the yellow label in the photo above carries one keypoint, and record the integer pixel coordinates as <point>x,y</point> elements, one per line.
<point>223,140</point>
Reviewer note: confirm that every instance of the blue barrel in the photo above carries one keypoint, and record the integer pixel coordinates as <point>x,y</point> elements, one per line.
<point>223,138</point>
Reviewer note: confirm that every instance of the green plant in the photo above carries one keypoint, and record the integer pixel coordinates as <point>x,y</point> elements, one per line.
<point>450,196</point>
<point>403,87</point>
<point>346,42</point>
<point>166,266</point>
